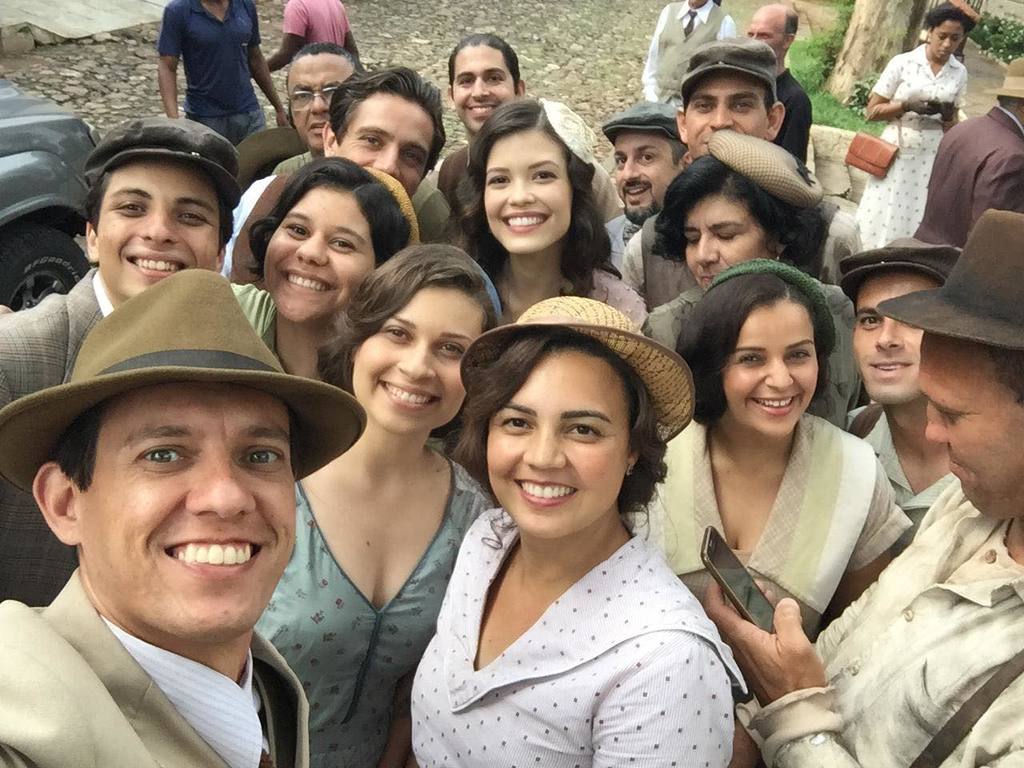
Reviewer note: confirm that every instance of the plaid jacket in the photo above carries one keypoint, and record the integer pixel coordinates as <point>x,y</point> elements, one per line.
<point>38,348</point>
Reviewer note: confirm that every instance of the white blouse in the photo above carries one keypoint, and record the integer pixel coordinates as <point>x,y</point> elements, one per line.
<point>623,669</point>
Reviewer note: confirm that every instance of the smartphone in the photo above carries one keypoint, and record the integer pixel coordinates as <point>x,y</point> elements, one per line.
<point>736,582</point>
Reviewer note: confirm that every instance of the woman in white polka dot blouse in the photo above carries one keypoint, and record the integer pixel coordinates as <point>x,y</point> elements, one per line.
<point>564,640</point>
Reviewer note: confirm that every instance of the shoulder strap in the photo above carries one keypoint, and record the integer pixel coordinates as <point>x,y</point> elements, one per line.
<point>865,421</point>
<point>959,725</point>
<point>242,261</point>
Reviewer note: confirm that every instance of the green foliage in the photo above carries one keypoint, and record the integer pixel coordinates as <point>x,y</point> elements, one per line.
<point>1002,38</point>
<point>862,90</point>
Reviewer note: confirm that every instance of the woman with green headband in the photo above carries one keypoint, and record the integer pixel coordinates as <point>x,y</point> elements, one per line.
<point>805,506</point>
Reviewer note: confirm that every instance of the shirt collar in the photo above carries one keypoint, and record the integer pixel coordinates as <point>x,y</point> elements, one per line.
<point>702,13</point>
<point>224,713</point>
<point>880,438</point>
<point>922,57</point>
<point>1012,117</point>
<point>102,297</point>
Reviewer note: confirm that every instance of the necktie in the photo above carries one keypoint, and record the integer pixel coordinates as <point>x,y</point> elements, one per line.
<point>265,761</point>
<point>691,22</point>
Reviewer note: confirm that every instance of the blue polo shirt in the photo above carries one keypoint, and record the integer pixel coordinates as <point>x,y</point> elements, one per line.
<point>215,54</point>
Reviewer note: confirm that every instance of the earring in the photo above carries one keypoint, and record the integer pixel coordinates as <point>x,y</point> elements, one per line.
<point>629,469</point>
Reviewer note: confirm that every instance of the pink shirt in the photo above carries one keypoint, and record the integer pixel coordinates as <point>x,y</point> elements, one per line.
<point>317,21</point>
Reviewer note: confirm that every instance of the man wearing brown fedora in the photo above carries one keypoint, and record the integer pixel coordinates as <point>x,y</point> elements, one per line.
<point>168,460</point>
<point>888,355</point>
<point>925,669</point>
<point>979,165</point>
<point>160,202</point>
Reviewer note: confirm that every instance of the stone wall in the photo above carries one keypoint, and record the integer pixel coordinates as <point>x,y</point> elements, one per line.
<point>1011,9</point>
<point>828,161</point>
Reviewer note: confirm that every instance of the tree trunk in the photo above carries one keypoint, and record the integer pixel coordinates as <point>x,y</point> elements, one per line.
<point>879,29</point>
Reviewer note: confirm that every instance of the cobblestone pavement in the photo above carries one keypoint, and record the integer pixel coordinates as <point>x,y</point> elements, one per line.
<point>587,53</point>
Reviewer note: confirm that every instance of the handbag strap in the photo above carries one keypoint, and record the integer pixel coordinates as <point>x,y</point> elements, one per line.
<point>959,725</point>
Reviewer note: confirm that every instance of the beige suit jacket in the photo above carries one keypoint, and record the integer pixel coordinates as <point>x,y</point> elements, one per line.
<point>71,696</point>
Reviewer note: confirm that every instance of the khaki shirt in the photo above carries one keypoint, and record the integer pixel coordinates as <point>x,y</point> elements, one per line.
<point>903,658</point>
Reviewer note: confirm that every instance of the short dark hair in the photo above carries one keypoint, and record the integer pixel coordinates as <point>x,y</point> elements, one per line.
<point>1009,369</point>
<point>490,388</point>
<point>386,290</point>
<point>396,81</point>
<point>94,199</point>
<point>389,229</point>
<point>800,230</point>
<point>315,49</point>
<point>489,41</point>
<point>587,246</point>
<point>948,12</point>
<point>709,337</point>
<point>792,22</point>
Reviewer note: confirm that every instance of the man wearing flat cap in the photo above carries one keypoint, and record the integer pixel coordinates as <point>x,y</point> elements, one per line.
<point>925,669</point>
<point>160,201</point>
<point>169,461</point>
<point>979,165</point>
<point>888,356</point>
<point>648,155</point>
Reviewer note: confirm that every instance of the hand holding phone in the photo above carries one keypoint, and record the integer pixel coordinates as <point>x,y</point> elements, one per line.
<point>736,582</point>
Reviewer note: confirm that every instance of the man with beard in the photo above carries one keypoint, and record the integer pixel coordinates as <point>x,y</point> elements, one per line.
<point>888,355</point>
<point>648,155</point>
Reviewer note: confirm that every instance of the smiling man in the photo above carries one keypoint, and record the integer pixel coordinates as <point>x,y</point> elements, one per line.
<point>168,461</point>
<point>160,202</point>
<point>888,356</point>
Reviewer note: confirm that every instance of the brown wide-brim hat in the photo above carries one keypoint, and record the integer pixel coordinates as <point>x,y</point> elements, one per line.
<point>666,375</point>
<point>982,300</point>
<point>1013,82</point>
<point>188,328</point>
<point>261,152</point>
<point>905,254</point>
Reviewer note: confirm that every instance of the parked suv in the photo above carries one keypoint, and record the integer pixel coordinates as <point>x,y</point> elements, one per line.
<point>43,148</point>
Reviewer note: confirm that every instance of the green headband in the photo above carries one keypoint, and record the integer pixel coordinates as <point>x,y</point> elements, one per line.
<point>824,327</point>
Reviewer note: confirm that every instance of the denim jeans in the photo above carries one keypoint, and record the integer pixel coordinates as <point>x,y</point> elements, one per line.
<point>234,128</point>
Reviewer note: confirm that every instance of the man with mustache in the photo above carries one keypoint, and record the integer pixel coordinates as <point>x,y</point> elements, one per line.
<point>160,202</point>
<point>888,356</point>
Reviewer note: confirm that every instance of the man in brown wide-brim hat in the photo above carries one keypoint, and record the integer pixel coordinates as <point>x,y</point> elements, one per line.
<point>925,669</point>
<point>979,165</point>
<point>168,461</point>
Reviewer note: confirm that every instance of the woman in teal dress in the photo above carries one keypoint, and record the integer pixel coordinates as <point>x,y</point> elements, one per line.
<point>379,527</point>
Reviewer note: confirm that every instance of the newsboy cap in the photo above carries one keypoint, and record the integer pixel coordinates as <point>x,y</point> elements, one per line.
<point>768,165</point>
<point>162,138</point>
<point>654,117</point>
<point>905,254</point>
<point>737,54</point>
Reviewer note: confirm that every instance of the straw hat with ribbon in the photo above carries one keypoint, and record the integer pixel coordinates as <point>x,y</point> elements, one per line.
<point>187,328</point>
<point>666,375</point>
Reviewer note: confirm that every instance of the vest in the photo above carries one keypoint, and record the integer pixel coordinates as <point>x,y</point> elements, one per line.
<point>675,49</point>
<point>664,279</point>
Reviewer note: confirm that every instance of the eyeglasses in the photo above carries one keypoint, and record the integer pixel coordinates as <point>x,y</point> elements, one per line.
<point>302,99</point>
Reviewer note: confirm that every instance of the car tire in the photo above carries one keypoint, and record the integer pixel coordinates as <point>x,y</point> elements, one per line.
<point>35,261</point>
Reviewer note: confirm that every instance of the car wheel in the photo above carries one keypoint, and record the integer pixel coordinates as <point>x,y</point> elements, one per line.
<point>35,261</point>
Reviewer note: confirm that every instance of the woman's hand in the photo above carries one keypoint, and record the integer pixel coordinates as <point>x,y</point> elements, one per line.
<point>773,664</point>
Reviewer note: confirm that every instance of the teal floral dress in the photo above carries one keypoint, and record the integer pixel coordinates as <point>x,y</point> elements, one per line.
<point>348,654</point>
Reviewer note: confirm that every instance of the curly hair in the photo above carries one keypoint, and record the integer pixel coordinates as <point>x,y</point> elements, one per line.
<point>486,40</point>
<point>587,246</point>
<point>800,231</point>
<point>948,12</point>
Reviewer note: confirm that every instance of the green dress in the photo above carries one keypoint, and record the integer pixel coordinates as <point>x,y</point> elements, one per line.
<point>348,654</point>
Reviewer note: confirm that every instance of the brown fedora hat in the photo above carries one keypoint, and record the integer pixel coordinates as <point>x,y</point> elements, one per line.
<point>186,328</point>
<point>982,300</point>
<point>1013,82</point>
<point>260,153</point>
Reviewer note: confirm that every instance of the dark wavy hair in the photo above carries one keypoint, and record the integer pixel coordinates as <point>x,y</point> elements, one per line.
<point>396,81</point>
<point>801,231</point>
<point>587,246</point>
<point>948,12</point>
<point>709,338</point>
<point>490,388</point>
<point>389,229</point>
<point>490,41</point>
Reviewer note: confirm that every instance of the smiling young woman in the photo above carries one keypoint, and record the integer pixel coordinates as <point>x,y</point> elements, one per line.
<point>380,526</point>
<point>530,219</point>
<point>566,419</point>
<point>804,505</point>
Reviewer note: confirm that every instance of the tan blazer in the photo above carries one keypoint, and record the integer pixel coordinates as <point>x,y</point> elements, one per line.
<point>71,696</point>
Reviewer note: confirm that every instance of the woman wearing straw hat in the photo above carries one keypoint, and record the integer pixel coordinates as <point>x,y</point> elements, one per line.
<point>565,640</point>
<point>749,199</point>
<point>806,506</point>
<point>333,223</point>
<point>379,531</point>
<point>530,218</point>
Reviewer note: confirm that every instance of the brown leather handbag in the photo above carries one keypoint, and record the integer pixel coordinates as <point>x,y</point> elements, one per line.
<point>871,154</point>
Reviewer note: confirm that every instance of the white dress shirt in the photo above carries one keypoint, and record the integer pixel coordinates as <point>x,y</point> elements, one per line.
<point>102,297</point>
<point>728,29</point>
<point>224,713</point>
